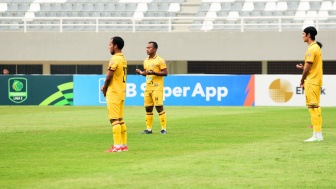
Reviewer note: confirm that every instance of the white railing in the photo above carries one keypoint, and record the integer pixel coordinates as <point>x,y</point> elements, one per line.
<point>170,22</point>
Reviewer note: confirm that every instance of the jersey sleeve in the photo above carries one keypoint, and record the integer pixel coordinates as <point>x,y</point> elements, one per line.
<point>310,56</point>
<point>113,65</point>
<point>162,64</point>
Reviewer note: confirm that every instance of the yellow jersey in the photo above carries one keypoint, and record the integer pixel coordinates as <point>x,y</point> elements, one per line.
<point>117,87</point>
<point>157,64</point>
<point>314,57</point>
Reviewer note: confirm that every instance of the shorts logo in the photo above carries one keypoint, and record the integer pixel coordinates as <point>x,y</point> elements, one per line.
<point>280,91</point>
<point>17,89</point>
<point>309,54</point>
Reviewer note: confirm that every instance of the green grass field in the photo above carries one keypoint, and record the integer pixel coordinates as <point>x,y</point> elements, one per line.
<point>206,147</point>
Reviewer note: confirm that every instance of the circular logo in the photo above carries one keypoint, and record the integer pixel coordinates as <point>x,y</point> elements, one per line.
<point>280,91</point>
<point>17,85</point>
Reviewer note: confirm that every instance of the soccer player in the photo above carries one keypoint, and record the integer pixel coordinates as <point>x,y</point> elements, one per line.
<point>311,80</point>
<point>114,91</point>
<point>155,69</point>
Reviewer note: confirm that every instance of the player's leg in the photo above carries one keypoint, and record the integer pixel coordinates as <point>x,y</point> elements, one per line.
<point>113,112</point>
<point>312,93</point>
<point>149,111</point>
<point>319,111</point>
<point>158,102</point>
<point>123,128</point>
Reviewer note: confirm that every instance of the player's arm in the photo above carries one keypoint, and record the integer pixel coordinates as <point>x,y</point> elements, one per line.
<point>143,73</point>
<point>107,81</point>
<point>305,72</point>
<point>161,73</point>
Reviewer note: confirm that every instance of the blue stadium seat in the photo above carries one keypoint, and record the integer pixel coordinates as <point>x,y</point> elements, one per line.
<point>8,14</point>
<point>163,7</point>
<point>153,7</point>
<point>197,27</point>
<point>106,14</point>
<point>244,14</point>
<point>73,14</point>
<point>315,6</point>
<point>259,6</point>
<point>237,6</point>
<point>149,14</point>
<point>95,14</point>
<point>160,14</point>
<point>128,14</point>
<point>278,13</point>
<point>204,7</point>
<point>251,26</point>
<point>98,7</point>
<point>12,7</point>
<point>292,5</point>
<point>131,7</point>
<point>121,7</point>
<point>45,7</point>
<point>55,7</point>
<point>222,14</point>
<point>4,25</point>
<point>77,7</point>
<point>88,7</point>
<point>63,14</point>
<point>220,25</point>
<point>256,13</point>
<point>226,6</point>
<point>67,7</point>
<point>110,7</point>
<point>84,14</point>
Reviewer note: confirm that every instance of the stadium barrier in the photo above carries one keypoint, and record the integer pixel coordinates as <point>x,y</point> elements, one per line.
<point>278,23</point>
<point>179,90</point>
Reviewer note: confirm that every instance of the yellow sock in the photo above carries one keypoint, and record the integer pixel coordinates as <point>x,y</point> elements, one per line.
<point>163,119</point>
<point>314,119</point>
<point>320,117</point>
<point>149,119</point>
<point>123,133</point>
<point>116,132</point>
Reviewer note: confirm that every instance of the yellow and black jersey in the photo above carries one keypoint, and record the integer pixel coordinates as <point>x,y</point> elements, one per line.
<point>157,64</point>
<point>314,57</point>
<point>117,87</point>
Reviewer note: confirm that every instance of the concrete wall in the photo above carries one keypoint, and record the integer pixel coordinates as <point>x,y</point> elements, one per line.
<point>174,47</point>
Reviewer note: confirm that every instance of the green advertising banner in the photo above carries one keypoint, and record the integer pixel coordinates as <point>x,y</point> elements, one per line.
<point>36,90</point>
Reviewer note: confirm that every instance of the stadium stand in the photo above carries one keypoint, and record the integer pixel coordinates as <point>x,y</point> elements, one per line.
<point>160,15</point>
<point>266,15</point>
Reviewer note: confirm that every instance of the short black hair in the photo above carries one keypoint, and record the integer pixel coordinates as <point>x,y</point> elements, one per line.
<point>155,45</point>
<point>118,41</point>
<point>312,30</point>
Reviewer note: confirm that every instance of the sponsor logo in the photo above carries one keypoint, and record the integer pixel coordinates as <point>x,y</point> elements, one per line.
<point>309,54</point>
<point>163,62</point>
<point>153,65</point>
<point>62,97</point>
<point>17,89</point>
<point>111,63</point>
<point>280,91</point>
